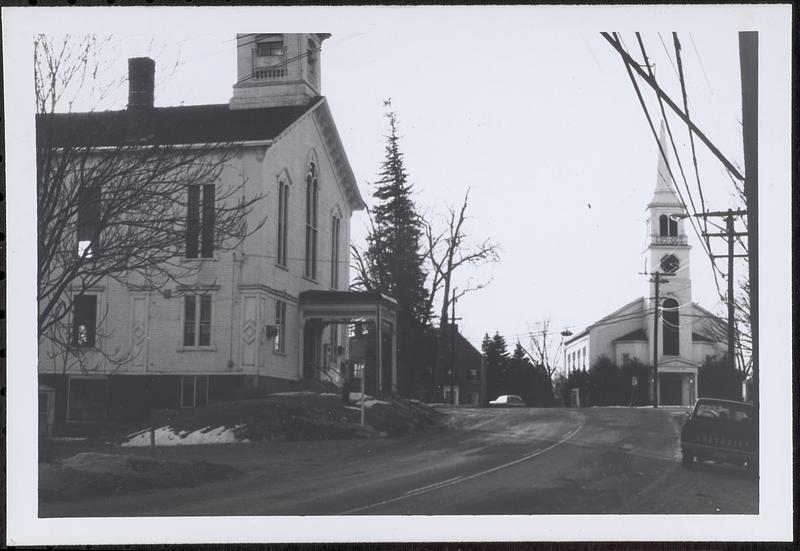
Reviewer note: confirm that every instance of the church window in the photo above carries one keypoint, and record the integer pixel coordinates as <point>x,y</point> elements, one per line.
<point>88,222</point>
<point>283,222</point>
<point>673,227</point>
<point>200,221</point>
<point>670,321</point>
<point>312,200</point>
<point>269,49</point>
<point>663,225</point>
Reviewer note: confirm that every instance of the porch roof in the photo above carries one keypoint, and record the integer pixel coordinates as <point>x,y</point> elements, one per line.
<point>347,304</point>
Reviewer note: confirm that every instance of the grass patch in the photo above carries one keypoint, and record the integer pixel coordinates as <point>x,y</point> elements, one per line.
<point>92,474</point>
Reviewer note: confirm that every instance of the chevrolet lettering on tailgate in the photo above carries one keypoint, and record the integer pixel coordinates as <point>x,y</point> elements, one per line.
<point>721,430</point>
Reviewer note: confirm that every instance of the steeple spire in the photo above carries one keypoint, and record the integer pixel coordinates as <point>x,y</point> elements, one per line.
<point>663,194</point>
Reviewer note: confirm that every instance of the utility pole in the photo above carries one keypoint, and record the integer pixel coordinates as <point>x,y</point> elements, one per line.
<point>730,234</point>
<point>748,63</point>
<point>731,312</point>
<point>452,346</point>
<point>657,279</point>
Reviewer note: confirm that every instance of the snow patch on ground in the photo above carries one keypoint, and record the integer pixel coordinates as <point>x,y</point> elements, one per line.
<point>167,436</point>
<point>374,402</point>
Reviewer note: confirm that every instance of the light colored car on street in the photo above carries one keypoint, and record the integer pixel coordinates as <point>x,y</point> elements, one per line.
<point>508,401</point>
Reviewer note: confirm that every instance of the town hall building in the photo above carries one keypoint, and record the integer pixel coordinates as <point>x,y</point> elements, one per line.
<point>270,314</point>
<point>688,334</point>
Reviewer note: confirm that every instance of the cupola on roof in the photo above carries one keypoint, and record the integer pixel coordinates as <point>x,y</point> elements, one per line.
<point>277,69</point>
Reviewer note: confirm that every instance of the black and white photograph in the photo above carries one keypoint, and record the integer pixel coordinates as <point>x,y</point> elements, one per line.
<point>389,273</point>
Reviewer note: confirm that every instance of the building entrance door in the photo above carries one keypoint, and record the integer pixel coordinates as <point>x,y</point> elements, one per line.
<point>671,389</point>
<point>310,348</point>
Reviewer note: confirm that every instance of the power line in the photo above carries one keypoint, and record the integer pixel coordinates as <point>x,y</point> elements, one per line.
<point>707,245</point>
<point>702,67</point>
<point>617,43</point>
<point>630,62</point>
<point>668,56</point>
<point>691,136</point>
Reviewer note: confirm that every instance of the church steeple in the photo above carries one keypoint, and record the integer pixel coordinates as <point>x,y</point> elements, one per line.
<point>668,245</point>
<point>663,194</point>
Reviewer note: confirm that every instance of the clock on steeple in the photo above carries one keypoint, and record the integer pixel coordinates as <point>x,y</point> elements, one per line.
<point>670,263</point>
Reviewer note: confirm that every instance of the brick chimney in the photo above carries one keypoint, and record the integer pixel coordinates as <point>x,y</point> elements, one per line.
<point>141,81</point>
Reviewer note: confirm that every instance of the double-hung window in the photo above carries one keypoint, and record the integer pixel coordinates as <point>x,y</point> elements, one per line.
<point>196,320</point>
<point>88,221</point>
<point>335,227</point>
<point>280,322</point>
<point>283,222</point>
<point>84,323</point>
<point>200,221</point>
<point>312,199</point>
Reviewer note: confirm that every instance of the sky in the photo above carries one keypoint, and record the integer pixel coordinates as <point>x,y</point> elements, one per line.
<point>530,109</point>
<point>539,122</point>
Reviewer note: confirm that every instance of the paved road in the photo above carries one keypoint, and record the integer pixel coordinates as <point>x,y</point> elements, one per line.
<point>515,461</point>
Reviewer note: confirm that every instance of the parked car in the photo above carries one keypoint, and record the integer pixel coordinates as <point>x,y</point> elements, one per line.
<point>508,401</point>
<point>721,430</point>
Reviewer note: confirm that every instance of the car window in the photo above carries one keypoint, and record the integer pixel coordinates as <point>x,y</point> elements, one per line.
<point>723,412</point>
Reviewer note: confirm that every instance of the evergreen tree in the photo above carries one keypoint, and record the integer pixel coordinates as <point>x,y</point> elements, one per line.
<point>396,262</point>
<point>497,360</point>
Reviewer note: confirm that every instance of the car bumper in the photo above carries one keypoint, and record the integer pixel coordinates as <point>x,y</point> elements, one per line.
<point>722,454</point>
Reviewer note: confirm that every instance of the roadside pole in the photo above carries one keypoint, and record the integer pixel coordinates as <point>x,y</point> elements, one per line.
<point>748,62</point>
<point>730,234</point>
<point>363,376</point>
<point>657,280</point>
<point>452,346</point>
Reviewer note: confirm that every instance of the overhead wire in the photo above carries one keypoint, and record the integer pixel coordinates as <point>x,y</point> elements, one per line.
<point>700,60</point>
<point>691,134</point>
<point>668,56</point>
<point>707,244</point>
<point>663,153</point>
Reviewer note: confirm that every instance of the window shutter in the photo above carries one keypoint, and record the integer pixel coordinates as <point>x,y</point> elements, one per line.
<point>208,221</point>
<point>192,221</point>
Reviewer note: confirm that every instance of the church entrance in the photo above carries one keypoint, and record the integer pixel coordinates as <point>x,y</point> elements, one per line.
<point>671,389</point>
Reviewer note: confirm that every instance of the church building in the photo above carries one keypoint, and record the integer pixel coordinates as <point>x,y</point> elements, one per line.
<point>267,315</point>
<point>687,333</point>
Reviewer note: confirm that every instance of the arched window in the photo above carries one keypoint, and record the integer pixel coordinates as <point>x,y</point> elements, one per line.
<point>312,199</point>
<point>283,222</point>
<point>670,321</point>
<point>673,227</point>
<point>663,225</point>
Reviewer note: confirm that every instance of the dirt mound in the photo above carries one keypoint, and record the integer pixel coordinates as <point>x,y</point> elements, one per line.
<point>102,474</point>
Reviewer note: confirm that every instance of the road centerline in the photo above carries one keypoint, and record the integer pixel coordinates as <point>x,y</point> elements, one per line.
<point>460,479</point>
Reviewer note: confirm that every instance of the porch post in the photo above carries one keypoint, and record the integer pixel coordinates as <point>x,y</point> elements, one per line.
<point>301,344</point>
<point>379,348</point>
<point>394,357</point>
